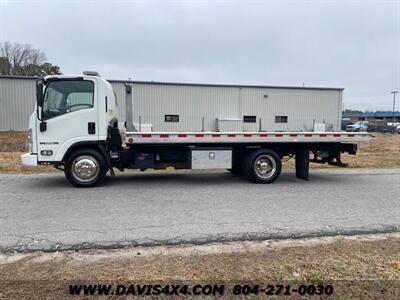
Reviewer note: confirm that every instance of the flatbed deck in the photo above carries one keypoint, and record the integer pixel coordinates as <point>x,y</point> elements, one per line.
<point>245,137</point>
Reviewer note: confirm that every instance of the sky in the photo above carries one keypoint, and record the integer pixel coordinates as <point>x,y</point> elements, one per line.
<point>349,44</point>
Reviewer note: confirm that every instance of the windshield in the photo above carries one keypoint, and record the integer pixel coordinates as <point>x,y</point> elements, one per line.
<point>65,96</point>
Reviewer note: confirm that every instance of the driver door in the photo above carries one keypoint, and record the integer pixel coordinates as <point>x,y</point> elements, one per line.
<point>70,113</point>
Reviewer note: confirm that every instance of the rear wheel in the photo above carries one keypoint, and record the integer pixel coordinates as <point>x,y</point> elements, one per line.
<point>262,166</point>
<point>85,168</point>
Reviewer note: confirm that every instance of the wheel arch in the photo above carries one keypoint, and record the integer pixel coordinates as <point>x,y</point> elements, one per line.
<point>281,150</point>
<point>100,146</point>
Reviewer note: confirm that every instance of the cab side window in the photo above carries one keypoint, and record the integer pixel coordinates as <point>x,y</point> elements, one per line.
<point>66,96</point>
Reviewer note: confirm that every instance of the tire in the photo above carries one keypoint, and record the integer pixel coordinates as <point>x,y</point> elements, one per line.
<point>85,168</point>
<point>262,166</point>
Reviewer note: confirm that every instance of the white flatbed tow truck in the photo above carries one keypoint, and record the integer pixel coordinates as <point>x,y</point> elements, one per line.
<point>75,128</point>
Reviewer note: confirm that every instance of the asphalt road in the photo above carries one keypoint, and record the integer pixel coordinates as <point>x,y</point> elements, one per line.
<point>43,212</point>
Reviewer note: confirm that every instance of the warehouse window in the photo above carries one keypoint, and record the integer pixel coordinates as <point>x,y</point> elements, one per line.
<point>249,119</point>
<point>280,119</point>
<point>171,118</point>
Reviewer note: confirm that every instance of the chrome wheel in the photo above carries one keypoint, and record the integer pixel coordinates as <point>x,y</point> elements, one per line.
<point>85,168</point>
<point>265,166</point>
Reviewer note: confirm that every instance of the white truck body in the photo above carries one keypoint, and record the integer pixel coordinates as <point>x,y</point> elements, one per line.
<point>75,128</point>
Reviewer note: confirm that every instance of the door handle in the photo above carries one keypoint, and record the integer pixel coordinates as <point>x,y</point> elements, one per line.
<point>91,127</point>
<point>43,126</point>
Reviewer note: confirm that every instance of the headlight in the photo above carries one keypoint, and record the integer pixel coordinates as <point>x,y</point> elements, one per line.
<point>30,135</point>
<point>30,140</point>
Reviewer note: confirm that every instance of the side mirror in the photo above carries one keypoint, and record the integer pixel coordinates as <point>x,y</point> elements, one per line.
<point>39,94</point>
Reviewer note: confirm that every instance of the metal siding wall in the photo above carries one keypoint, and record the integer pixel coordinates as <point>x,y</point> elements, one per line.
<point>119,89</point>
<point>302,107</point>
<point>17,101</point>
<point>253,103</point>
<point>192,103</point>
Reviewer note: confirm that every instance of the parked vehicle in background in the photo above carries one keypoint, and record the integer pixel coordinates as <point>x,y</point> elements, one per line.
<point>357,126</point>
<point>345,122</point>
<point>394,127</point>
<point>379,126</point>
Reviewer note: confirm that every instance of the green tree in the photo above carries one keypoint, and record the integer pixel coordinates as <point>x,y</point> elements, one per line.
<point>49,69</point>
<point>24,60</point>
<point>5,66</point>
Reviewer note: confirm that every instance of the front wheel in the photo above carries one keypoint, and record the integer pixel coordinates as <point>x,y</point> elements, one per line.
<point>262,166</point>
<point>85,168</point>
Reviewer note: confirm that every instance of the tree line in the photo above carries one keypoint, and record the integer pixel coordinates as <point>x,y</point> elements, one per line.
<point>24,60</point>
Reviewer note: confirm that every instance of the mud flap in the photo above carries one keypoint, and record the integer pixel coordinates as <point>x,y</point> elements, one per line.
<point>302,163</point>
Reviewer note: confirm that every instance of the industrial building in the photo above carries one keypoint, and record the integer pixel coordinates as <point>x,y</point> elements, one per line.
<point>18,98</point>
<point>385,116</point>
<point>234,107</point>
<point>180,107</point>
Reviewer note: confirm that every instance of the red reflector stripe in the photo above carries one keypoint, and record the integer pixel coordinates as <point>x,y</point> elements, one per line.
<point>182,135</point>
<point>263,135</point>
<point>247,135</point>
<point>350,135</point>
<point>199,135</point>
<point>146,135</point>
<point>279,135</point>
<point>308,135</point>
<point>164,135</point>
<point>322,135</point>
<point>293,134</point>
<point>336,135</point>
<point>231,135</point>
<point>216,135</point>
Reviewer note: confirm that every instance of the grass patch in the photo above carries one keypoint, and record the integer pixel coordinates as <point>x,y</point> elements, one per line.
<point>12,145</point>
<point>10,162</point>
<point>357,268</point>
<point>13,141</point>
<point>381,153</point>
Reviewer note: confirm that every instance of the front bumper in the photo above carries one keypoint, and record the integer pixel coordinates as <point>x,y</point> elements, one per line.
<point>29,159</point>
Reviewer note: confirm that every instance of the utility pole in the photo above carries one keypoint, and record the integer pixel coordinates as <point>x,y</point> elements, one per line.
<point>394,105</point>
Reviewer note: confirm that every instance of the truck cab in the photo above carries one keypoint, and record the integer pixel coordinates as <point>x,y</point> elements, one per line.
<point>71,113</point>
